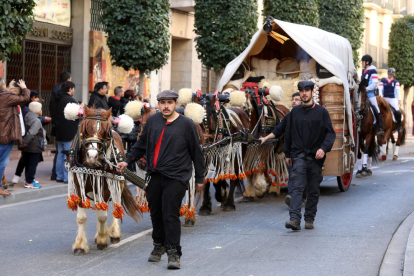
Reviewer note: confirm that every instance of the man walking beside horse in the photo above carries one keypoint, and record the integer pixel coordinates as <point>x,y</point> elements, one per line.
<point>171,144</point>
<point>309,136</point>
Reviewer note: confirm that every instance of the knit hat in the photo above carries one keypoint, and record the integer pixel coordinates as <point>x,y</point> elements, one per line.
<point>35,107</point>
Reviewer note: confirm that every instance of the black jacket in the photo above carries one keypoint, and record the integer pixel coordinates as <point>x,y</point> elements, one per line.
<point>180,147</point>
<point>117,108</point>
<point>99,100</point>
<point>308,129</point>
<point>279,130</point>
<point>65,129</point>
<point>53,99</point>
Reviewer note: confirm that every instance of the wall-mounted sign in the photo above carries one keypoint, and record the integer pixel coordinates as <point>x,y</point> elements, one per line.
<point>56,12</point>
<point>51,33</point>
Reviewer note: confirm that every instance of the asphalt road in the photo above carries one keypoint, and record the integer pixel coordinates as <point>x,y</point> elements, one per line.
<point>351,235</point>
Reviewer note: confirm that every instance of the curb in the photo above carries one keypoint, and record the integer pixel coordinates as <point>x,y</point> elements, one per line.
<point>409,255</point>
<point>395,256</point>
<point>33,194</point>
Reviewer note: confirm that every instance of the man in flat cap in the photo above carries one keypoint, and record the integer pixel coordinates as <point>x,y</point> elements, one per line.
<point>309,136</point>
<point>171,144</point>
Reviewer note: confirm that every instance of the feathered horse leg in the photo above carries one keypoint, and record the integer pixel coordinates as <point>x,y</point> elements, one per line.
<point>115,231</point>
<point>102,235</point>
<point>81,247</point>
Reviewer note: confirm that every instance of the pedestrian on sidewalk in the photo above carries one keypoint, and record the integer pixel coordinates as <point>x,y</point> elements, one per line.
<point>309,136</point>
<point>33,143</point>
<point>277,132</point>
<point>98,96</point>
<point>171,144</point>
<point>23,161</point>
<point>10,125</point>
<point>64,76</point>
<point>65,129</point>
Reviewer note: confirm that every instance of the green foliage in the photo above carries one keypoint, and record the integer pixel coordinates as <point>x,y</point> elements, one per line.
<point>138,34</point>
<point>224,29</point>
<point>401,50</point>
<point>303,12</point>
<point>16,20</point>
<point>345,18</point>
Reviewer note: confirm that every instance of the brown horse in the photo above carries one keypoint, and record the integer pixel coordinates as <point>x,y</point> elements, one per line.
<point>400,138</point>
<point>258,178</point>
<point>189,209</point>
<point>92,182</point>
<point>367,131</point>
<point>214,129</point>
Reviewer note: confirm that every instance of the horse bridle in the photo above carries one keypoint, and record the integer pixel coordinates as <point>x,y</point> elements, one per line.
<point>85,142</point>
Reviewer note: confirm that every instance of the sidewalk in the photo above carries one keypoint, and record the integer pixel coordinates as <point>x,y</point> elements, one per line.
<point>19,193</point>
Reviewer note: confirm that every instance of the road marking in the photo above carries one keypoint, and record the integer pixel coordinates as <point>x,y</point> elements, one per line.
<point>133,237</point>
<point>31,201</point>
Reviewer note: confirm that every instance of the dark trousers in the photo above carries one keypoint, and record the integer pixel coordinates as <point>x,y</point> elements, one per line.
<point>305,172</point>
<point>54,162</point>
<point>22,164</point>
<point>164,197</point>
<point>32,160</point>
<point>289,185</point>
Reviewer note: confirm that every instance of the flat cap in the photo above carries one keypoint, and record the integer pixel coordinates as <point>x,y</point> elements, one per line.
<point>306,85</point>
<point>166,95</point>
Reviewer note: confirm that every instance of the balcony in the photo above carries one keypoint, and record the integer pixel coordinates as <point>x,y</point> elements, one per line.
<point>376,2</point>
<point>182,5</point>
<point>383,59</point>
<point>388,5</point>
<point>372,51</point>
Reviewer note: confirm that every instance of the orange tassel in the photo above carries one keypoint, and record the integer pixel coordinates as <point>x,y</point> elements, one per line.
<point>86,204</point>
<point>118,211</point>
<point>273,184</point>
<point>182,211</point>
<point>104,206</point>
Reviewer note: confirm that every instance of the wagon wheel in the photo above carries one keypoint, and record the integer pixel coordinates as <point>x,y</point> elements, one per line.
<point>344,181</point>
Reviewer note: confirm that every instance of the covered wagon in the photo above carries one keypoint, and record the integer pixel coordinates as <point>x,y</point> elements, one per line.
<point>283,54</point>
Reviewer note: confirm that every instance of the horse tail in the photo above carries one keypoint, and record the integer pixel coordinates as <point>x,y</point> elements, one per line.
<point>402,141</point>
<point>375,155</point>
<point>129,204</point>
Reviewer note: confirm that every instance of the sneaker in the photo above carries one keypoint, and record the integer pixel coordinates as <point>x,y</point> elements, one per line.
<point>32,185</point>
<point>156,254</point>
<point>34,180</point>
<point>15,179</point>
<point>287,200</point>
<point>173,259</point>
<point>309,224</point>
<point>292,224</point>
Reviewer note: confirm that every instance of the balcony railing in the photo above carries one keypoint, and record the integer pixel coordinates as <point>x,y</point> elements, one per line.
<point>388,5</point>
<point>383,58</point>
<point>377,2</point>
<point>372,51</point>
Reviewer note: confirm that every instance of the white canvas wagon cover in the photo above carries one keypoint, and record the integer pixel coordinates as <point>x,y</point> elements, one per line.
<point>332,51</point>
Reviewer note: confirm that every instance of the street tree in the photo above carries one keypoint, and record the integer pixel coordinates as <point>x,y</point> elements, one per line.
<point>344,18</point>
<point>16,20</point>
<point>138,35</point>
<point>400,54</point>
<point>303,12</point>
<point>224,30</point>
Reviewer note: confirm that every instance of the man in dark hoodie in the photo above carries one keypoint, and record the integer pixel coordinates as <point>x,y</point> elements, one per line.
<point>65,129</point>
<point>114,102</point>
<point>64,76</point>
<point>98,96</point>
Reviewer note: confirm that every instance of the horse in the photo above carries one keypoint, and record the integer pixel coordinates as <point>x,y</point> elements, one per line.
<point>400,138</point>
<point>367,130</point>
<point>189,209</point>
<point>215,127</point>
<point>271,161</point>
<point>93,182</point>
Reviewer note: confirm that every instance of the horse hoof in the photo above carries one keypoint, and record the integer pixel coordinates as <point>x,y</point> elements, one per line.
<point>383,158</point>
<point>227,208</point>
<point>115,240</point>
<point>364,174</point>
<point>102,246</point>
<point>79,252</point>
<point>189,223</point>
<point>395,158</point>
<point>204,212</point>
<point>248,199</point>
<point>96,241</point>
<point>260,196</point>
<point>358,175</point>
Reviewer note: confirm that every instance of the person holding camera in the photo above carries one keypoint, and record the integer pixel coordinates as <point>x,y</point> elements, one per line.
<point>10,123</point>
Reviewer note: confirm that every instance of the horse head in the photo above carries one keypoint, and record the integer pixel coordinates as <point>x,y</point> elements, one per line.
<point>94,132</point>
